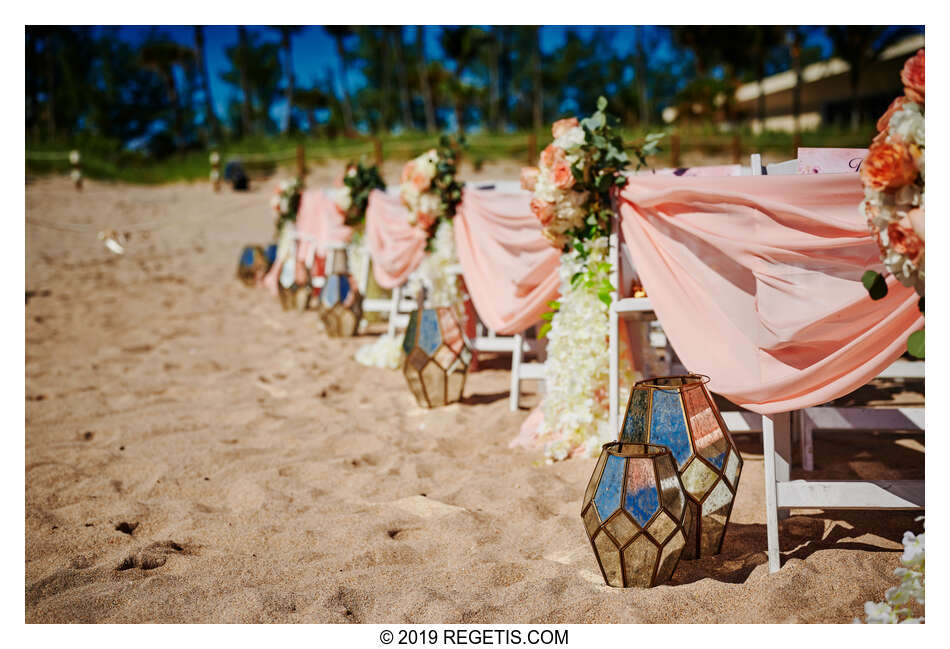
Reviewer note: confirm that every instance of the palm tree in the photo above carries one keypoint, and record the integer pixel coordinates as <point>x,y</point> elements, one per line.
<point>401,76</point>
<point>339,34</point>
<point>162,56</point>
<point>424,84</point>
<point>461,44</point>
<point>286,33</point>
<point>211,119</point>
<point>243,61</point>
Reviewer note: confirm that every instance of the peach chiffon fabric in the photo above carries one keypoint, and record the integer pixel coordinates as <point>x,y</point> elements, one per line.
<point>510,270</point>
<point>756,281</point>
<point>395,247</point>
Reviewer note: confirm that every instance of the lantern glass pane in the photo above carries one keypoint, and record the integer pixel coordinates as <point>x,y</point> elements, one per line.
<point>639,561</point>
<point>732,468</point>
<point>698,479</point>
<point>670,557</point>
<point>609,559</point>
<point>433,377</point>
<point>621,527</point>
<point>668,426</point>
<point>670,489</point>
<point>591,522</point>
<point>607,497</point>
<point>707,435</point>
<point>634,425</point>
<point>429,338</point>
<point>456,383</point>
<point>641,499</point>
<point>409,340</point>
<point>444,357</point>
<point>595,478</point>
<point>661,527</point>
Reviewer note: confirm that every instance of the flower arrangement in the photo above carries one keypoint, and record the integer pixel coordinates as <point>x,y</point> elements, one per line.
<point>573,187</point>
<point>286,202</point>
<point>429,188</point>
<point>352,193</point>
<point>893,177</point>
<point>895,609</point>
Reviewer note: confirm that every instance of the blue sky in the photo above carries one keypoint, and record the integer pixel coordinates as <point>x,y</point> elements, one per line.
<point>314,51</point>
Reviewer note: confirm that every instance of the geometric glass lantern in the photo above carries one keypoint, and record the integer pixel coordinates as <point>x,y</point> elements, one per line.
<point>679,412</point>
<point>294,286</point>
<point>253,265</point>
<point>636,514</point>
<point>340,305</point>
<point>437,356</point>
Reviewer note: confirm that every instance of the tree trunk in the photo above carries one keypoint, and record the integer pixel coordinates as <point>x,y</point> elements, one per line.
<point>537,99</point>
<point>402,79</point>
<point>797,90</point>
<point>50,57</point>
<point>760,100</point>
<point>494,87</point>
<point>386,106</point>
<point>505,77</point>
<point>855,78</point>
<point>640,61</point>
<point>211,118</point>
<point>459,117</point>
<point>289,94</point>
<point>427,102</point>
<point>347,109</point>
<point>247,125</point>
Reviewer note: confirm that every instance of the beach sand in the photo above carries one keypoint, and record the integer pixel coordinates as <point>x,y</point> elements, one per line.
<point>195,454</point>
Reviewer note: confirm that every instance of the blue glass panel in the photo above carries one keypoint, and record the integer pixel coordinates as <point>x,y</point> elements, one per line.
<point>668,426</point>
<point>718,460</point>
<point>635,422</point>
<point>409,340</point>
<point>429,338</point>
<point>247,257</point>
<point>271,254</point>
<point>607,496</point>
<point>641,499</point>
<point>344,287</point>
<point>330,294</point>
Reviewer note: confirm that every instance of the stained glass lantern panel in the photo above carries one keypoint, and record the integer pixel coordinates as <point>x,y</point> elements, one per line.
<point>633,512</point>
<point>252,265</point>
<point>679,412</point>
<point>341,305</point>
<point>294,286</point>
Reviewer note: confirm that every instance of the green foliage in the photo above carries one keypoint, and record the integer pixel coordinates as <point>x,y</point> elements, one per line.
<point>875,284</point>
<point>915,344</point>
<point>361,179</point>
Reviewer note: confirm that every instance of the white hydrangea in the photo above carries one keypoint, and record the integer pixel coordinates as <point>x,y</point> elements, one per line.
<point>74,157</point>
<point>343,198</point>
<point>385,351</point>
<point>430,203</point>
<point>432,274</point>
<point>908,123</point>
<point>894,609</point>
<point>571,141</point>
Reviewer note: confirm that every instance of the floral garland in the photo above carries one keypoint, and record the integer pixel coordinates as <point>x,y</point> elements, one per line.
<point>353,189</point>
<point>895,609</point>
<point>893,176</point>
<point>286,202</point>
<point>572,199</point>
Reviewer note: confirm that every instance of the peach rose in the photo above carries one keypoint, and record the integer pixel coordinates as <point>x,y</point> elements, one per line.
<point>425,220</point>
<point>895,106</point>
<point>563,178</point>
<point>420,181</point>
<point>407,172</point>
<point>543,210</point>
<point>904,240</point>
<point>529,178</point>
<point>912,77</point>
<point>916,218</point>
<point>562,126</point>
<point>551,155</point>
<point>888,165</point>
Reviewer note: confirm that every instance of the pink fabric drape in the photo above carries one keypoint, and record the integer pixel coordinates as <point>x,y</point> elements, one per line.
<point>756,281</point>
<point>319,224</point>
<point>395,247</point>
<point>510,270</point>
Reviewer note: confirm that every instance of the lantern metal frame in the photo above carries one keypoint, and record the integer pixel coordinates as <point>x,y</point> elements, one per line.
<point>728,475</point>
<point>621,522</point>
<point>297,296</point>
<point>442,356</point>
<point>349,306</point>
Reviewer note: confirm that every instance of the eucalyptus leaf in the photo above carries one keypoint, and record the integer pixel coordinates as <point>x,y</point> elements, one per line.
<point>875,284</point>
<point>543,331</point>
<point>915,344</point>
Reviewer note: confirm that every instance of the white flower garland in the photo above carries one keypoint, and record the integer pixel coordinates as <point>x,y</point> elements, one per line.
<point>432,274</point>
<point>894,609</point>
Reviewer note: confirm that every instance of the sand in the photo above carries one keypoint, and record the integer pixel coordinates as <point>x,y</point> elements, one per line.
<point>195,454</point>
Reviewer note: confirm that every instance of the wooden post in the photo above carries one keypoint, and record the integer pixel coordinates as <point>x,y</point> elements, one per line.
<point>532,149</point>
<point>675,150</point>
<point>301,162</point>
<point>76,173</point>
<point>796,143</point>
<point>215,160</point>
<point>736,149</point>
<point>378,151</point>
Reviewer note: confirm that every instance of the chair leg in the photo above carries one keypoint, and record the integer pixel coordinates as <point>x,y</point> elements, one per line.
<point>808,442</point>
<point>514,394</point>
<point>771,493</point>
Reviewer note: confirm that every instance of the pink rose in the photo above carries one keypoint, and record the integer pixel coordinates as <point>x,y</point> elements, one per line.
<point>562,126</point>
<point>904,240</point>
<point>563,178</point>
<point>529,178</point>
<point>916,218</point>
<point>420,181</point>
<point>888,165</point>
<point>885,120</point>
<point>543,210</point>
<point>551,155</point>
<point>912,77</point>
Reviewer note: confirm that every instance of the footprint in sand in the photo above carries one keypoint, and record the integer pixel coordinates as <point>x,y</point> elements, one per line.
<point>152,556</point>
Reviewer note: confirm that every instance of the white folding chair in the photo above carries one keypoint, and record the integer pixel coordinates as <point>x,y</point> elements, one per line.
<point>782,493</point>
